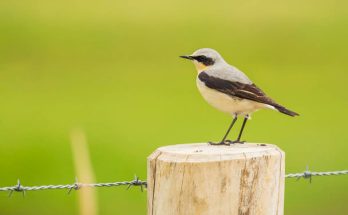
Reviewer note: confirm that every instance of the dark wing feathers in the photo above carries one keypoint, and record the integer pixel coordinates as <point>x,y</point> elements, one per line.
<point>242,91</point>
<point>237,89</point>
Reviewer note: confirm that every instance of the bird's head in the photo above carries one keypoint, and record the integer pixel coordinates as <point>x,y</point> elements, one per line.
<point>204,58</point>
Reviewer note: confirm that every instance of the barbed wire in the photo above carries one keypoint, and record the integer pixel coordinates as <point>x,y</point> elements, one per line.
<point>307,174</point>
<point>75,186</point>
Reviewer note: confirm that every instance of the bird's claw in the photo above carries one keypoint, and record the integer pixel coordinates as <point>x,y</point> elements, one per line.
<point>240,142</point>
<point>226,143</point>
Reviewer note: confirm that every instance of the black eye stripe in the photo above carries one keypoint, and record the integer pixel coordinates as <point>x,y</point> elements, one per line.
<point>205,60</point>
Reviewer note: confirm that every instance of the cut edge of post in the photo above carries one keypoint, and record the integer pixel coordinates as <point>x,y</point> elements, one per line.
<point>166,164</point>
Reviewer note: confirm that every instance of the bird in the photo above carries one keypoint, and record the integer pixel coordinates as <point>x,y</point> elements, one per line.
<point>229,90</point>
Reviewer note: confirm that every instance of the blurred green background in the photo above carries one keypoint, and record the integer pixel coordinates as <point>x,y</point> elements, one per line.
<point>112,69</point>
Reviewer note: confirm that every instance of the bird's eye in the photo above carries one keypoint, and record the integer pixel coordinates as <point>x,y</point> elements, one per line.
<point>205,60</point>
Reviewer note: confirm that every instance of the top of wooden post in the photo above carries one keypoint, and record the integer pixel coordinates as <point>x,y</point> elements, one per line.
<point>203,179</point>
<point>203,152</point>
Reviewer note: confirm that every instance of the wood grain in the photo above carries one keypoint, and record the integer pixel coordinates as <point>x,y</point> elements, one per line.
<point>200,179</point>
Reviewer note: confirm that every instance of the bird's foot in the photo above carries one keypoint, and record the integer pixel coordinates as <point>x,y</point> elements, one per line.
<point>238,141</point>
<point>222,143</point>
<point>226,142</point>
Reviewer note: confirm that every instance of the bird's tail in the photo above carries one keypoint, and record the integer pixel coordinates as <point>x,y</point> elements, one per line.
<point>283,110</point>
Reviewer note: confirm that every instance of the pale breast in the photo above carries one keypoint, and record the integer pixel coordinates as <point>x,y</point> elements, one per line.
<point>226,103</point>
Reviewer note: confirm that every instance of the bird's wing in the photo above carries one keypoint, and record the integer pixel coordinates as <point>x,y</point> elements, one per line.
<point>242,91</point>
<point>236,89</point>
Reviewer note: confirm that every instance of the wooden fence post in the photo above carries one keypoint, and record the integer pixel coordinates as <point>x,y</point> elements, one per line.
<point>200,179</point>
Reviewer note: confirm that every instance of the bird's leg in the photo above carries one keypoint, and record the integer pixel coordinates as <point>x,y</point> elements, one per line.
<point>241,130</point>
<point>223,141</point>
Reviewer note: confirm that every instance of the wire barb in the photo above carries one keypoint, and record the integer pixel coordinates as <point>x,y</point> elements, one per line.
<point>137,182</point>
<point>16,188</point>
<point>75,186</point>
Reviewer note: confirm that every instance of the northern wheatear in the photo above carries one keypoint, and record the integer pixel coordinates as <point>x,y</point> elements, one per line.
<point>229,90</point>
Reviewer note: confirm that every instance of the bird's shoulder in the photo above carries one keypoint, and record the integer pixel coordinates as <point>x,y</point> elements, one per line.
<point>228,73</point>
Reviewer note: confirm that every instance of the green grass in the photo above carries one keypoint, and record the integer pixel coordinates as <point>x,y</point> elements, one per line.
<point>112,68</point>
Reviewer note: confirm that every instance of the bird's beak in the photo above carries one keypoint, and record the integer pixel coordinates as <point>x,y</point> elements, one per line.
<point>187,57</point>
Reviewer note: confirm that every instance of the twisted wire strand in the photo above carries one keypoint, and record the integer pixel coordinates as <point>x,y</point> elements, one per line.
<point>137,182</point>
<point>308,174</point>
<point>75,186</point>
